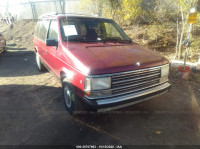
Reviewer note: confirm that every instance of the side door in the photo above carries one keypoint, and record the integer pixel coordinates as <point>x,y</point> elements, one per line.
<point>41,34</point>
<point>52,53</point>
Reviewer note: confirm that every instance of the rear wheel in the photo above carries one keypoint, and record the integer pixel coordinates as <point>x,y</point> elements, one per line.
<point>41,67</point>
<point>2,45</point>
<point>5,48</point>
<point>72,101</point>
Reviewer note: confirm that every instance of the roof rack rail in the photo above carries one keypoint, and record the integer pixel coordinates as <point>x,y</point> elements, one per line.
<point>51,14</point>
<point>71,13</point>
<point>48,14</point>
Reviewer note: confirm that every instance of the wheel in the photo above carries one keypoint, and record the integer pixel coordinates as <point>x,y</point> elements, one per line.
<point>5,48</point>
<point>2,45</point>
<point>72,101</point>
<point>41,67</point>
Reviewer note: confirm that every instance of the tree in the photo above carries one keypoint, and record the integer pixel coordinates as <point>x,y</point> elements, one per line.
<point>184,7</point>
<point>123,11</point>
<point>90,6</point>
<point>131,10</point>
<point>176,13</point>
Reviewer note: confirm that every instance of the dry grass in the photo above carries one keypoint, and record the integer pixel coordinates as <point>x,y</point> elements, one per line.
<point>162,38</point>
<point>21,35</point>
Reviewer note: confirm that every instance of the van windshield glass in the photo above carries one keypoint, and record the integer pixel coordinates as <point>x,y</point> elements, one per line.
<point>91,30</point>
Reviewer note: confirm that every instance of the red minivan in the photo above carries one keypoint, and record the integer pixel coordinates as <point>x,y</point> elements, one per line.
<point>99,66</point>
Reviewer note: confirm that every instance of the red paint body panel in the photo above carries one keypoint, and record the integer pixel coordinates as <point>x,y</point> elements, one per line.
<point>56,60</point>
<point>102,58</point>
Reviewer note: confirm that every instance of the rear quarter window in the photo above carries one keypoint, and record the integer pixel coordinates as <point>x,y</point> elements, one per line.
<point>37,29</point>
<point>41,30</point>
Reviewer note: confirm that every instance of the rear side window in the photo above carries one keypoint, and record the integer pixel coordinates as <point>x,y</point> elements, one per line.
<point>37,29</point>
<point>43,27</point>
<point>53,30</point>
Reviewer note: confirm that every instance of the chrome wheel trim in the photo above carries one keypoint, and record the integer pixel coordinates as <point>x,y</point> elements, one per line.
<point>38,60</point>
<point>67,96</point>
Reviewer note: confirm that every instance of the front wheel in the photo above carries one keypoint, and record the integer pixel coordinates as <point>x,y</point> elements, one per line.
<point>72,102</point>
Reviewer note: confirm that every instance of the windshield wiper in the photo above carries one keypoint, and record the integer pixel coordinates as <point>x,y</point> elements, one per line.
<point>116,40</point>
<point>75,39</point>
<point>81,40</point>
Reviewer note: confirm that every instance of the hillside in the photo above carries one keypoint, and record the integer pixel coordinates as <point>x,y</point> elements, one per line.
<point>20,36</point>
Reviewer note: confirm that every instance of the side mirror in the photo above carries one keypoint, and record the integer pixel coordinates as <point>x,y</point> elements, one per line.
<point>51,42</point>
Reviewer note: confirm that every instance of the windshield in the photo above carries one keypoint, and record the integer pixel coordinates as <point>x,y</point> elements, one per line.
<point>91,30</point>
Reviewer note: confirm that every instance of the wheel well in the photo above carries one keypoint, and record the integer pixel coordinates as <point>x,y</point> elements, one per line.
<point>62,75</point>
<point>35,50</point>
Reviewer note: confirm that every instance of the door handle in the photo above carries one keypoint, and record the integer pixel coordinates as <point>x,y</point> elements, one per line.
<point>44,51</point>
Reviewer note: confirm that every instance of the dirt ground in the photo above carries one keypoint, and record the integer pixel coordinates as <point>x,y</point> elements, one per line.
<point>33,113</point>
<point>20,36</point>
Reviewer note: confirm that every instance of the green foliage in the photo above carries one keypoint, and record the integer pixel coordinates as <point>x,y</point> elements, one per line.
<point>124,12</point>
<point>130,9</point>
<point>90,6</point>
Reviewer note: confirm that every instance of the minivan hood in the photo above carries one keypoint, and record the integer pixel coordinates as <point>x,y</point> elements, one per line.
<point>107,58</point>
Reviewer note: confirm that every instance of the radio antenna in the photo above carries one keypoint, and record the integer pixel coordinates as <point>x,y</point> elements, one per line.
<point>67,36</point>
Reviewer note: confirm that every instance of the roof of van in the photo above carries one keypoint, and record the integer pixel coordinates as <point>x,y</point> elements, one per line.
<point>59,15</point>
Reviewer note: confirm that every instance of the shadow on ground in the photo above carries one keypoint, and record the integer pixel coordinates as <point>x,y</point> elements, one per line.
<point>16,64</point>
<point>11,45</point>
<point>9,48</point>
<point>34,114</point>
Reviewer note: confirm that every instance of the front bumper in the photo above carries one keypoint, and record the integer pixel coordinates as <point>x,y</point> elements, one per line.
<point>118,102</point>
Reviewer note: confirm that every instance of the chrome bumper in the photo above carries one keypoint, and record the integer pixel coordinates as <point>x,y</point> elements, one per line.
<point>131,96</point>
<point>112,103</point>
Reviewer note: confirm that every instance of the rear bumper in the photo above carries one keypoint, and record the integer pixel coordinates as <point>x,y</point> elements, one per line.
<point>118,102</point>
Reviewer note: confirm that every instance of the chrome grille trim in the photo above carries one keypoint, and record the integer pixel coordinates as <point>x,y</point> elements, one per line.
<point>137,72</point>
<point>135,81</point>
<point>139,78</point>
<point>156,82</point>
<point>135,90</point>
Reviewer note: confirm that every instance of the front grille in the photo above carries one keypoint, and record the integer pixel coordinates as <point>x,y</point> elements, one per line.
<point>134,81</point>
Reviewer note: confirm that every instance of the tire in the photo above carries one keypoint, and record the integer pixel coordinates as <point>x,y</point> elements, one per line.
<point>2,45</point>
<point>72,101</point>
<point>5,48</point>
<point>41,67</point>
<point>5,45</point>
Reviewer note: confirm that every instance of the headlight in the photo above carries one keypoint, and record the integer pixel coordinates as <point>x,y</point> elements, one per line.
<point>97,83</point>
<point>164,73</point>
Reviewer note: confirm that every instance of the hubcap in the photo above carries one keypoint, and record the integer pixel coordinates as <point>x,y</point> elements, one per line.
<point>67,96</point>
<point>38,60</point>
